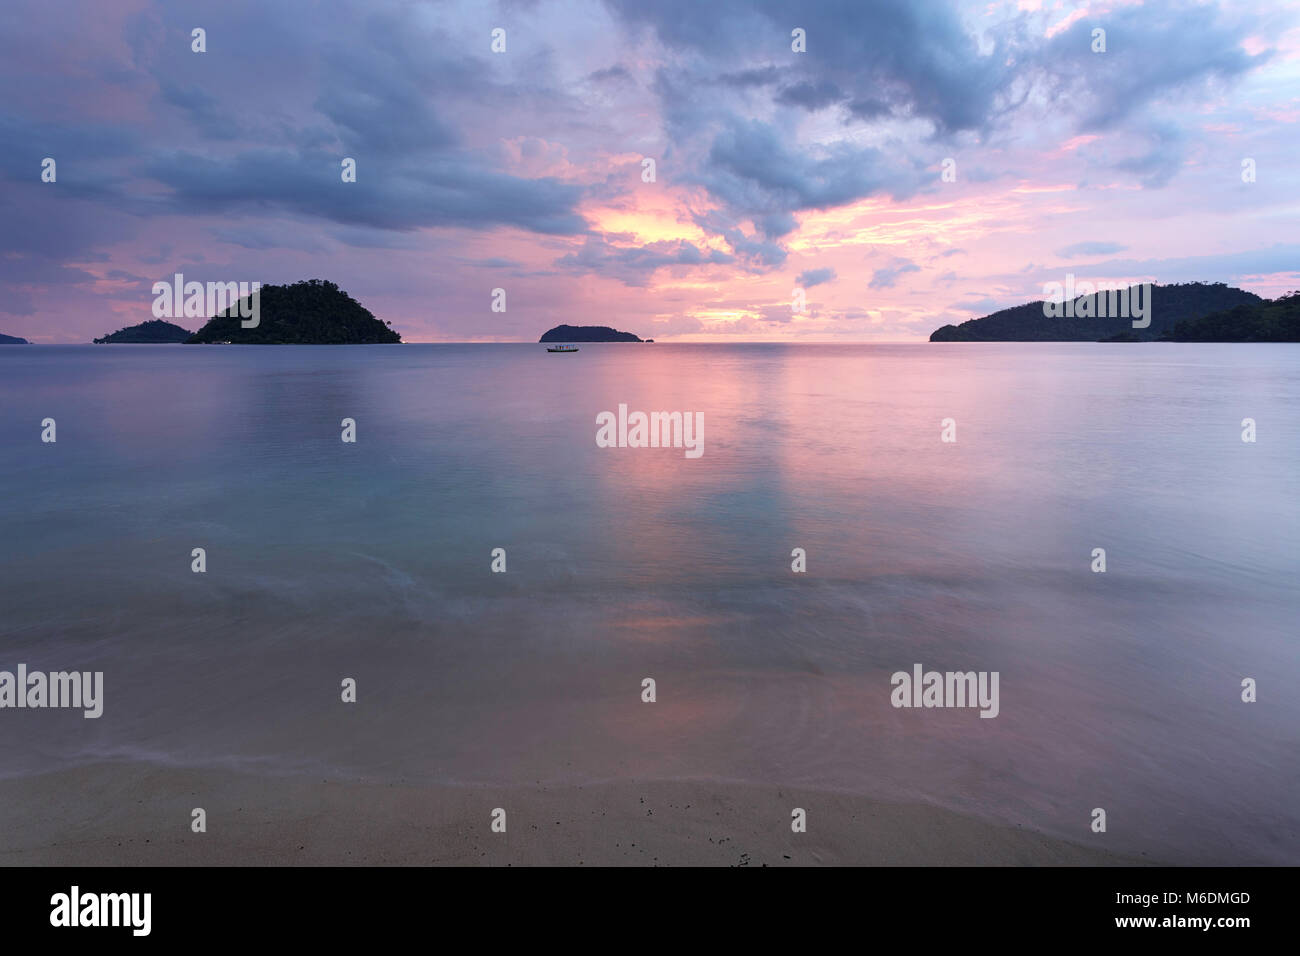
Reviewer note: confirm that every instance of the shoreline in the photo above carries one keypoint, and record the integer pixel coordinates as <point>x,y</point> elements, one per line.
<point>139,814</point>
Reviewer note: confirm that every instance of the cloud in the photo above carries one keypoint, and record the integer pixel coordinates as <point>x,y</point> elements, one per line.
<point>257,237</point>
<point>1152,52</point>
<point>753,251</point>
<point>889,64</point>
<point>919,54</point>
<point>1090,249</point>
<point>633,265</point>
<point>441,191</point>
<point>809,95</point>
<point>815,277</point>
<point>1158,165</point>
<point>615,72</point>
<point>888,277</point>
<point>495,262</point>
<point>1216,267</point>
<point>759,76</point>
<point>470,161</point>
<point>753,168</point>
<point>977,306</point>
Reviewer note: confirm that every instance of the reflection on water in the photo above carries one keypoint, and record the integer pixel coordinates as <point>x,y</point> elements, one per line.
<point>371,561</point>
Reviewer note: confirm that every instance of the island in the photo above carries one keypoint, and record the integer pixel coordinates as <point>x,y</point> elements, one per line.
<point>1170,305</point>
<point>1276,320</point>
<point>309,312</point>
<point>153,332</point>
<point>586,333</point>
<point>13,340</point>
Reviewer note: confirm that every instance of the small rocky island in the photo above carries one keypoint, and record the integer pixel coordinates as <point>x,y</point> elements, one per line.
<point>153,332</point>
<point>310,312</point>
<point>13,340</point>
<point>586,333</point>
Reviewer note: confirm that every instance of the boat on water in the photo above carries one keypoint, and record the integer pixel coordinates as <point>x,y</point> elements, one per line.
<point>561,348</point>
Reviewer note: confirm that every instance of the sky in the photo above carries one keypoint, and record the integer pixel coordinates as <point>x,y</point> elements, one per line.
<point>916,164</point>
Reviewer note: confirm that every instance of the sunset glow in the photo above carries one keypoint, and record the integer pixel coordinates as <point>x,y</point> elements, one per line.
<point>527,170</point>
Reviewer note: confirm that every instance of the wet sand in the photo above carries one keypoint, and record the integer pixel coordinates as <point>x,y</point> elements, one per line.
<point>140,814</point>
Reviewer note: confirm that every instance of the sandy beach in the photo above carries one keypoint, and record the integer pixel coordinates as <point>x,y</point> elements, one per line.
<point>139,814</point>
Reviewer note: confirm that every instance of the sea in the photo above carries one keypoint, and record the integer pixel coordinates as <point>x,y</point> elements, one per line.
<point>1164,689</point>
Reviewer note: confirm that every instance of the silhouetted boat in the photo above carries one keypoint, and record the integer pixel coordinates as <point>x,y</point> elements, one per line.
<point>561,348</point>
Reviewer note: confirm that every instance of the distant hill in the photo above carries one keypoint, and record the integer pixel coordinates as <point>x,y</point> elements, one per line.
<point>310,312</point>
<point>1277,320</point>
<point>153,332</point>
<point>1170,304</point>
<point>13,340</point>
<point>586,333</point>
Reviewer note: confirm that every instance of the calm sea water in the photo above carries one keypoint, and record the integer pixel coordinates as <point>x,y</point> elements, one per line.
<point>371,560</point>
